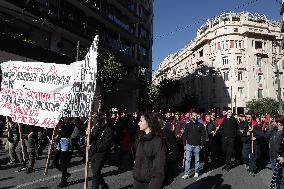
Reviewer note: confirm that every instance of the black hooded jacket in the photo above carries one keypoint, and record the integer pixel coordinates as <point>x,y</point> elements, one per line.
<point>101,138</point>
<point>150,161</point>
<point>276,138</point>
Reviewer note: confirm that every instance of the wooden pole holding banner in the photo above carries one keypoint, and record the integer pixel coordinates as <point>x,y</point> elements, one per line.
<point>50,148</point>
<point>22,141</point>
<point>8,127</point>
<point>252,143</point>
<point>88,132</point>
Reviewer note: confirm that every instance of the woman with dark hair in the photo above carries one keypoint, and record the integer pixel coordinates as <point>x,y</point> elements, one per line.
<point>150,160</point>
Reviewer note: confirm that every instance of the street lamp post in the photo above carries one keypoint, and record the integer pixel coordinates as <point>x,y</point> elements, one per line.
<point>278,83</point>
<point>279,88</point>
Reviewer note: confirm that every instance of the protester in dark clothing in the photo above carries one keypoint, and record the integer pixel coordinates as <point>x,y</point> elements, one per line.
<point>2,125</point>
<point>75,138</point>
<point>101,138</point>
<point>150,160</point>
<point>172,167</point>
<point>206,149</point>
<point>44,137</point>
<point>229,133</point>
<point>276,152</point>
<point>238,142</point>
<point>194,138</point>
<point>12,142</point>
<point>214,140</point>
<point>63,149</point>
<point>275,137</point>
<point>31,139</point>
<point>250,150</point>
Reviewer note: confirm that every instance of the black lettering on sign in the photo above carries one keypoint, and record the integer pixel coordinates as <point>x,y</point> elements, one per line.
<point>11,84</point>
<point>6,98</point>
<point>8,75</point>
<point>38,105</point>
<point>28,103</point>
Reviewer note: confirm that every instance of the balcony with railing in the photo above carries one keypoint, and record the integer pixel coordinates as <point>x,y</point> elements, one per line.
<point>260,52</point>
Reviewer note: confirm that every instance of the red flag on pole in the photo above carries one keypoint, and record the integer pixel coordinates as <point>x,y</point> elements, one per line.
<point>220,121</point>
<point>266,121</point>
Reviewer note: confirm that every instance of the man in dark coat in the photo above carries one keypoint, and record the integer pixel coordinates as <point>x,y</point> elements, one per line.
<point>229,134</point>
<point>250,150</point>
<point>101,139</point>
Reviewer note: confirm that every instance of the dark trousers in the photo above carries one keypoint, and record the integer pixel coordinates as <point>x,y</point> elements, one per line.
<point>250,158</point>
<point>75,144</point>
<point>98,160</point>
<point>206,153</point>
<point>42,142</point>
<point>30,145</point>
<point>140,185</point>
<point>215,147</point>
<point>238,150</point>
<point>228,148</point>
<point>60,161</point>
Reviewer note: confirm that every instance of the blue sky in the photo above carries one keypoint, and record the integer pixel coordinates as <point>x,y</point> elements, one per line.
<point>170,15</point>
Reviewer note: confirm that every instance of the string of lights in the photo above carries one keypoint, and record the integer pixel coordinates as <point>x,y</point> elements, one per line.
<point>204,20</point>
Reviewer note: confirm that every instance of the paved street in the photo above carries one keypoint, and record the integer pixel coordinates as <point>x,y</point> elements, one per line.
<point>217,178</point>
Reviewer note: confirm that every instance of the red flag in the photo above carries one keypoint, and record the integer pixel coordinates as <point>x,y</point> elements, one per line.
<point>220,121</point>
<point>203,118</point>
<point>266,121</point>
<point>254,123</point>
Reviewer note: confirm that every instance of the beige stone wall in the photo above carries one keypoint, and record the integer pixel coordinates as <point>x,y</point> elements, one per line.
<point>241,49</point>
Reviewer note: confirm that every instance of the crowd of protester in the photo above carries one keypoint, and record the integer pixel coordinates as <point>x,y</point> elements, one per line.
<point>157,146</point>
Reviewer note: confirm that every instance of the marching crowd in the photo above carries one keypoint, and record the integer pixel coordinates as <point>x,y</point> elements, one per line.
<point>157,146</point>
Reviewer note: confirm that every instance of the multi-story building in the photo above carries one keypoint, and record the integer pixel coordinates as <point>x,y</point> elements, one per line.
<point>58,30</point>
<point>230,62</point>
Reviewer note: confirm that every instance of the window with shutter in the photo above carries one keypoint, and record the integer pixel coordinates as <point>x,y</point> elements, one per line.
<point>232,44</point>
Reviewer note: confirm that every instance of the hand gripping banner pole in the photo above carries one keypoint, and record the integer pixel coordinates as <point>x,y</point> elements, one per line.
<point>88,131</point>
<point>252,148</point>
<point>8,126</point>
<point>50,149</point>
<point>22,141</point>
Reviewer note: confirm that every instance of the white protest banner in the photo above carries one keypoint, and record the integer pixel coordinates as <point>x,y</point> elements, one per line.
<point>82,93</point>
<point>37,93</point>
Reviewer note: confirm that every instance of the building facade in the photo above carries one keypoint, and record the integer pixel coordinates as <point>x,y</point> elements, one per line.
<point>61,31</point>
<point>230,62</point>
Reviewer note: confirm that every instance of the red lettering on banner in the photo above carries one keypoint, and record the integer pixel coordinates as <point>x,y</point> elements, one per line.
<point>58,97</point>
<point>15,69</point>
<point>48,122</point>
<point>7,105</point>
<point>33,121</point>
<point>22,111</point>
<point>52,71</point>
<point>14,117</point>
<point>30,94</point>
<point>33,113</point>
<point>39,96</point>
<point>24,119</point>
